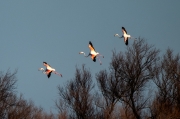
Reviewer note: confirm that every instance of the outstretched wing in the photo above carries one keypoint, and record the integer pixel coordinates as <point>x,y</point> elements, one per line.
<point>91,46</point>
<point>93,57</point>
<point>49,74</point>
<point>124,30</point>
<point>126,40</point>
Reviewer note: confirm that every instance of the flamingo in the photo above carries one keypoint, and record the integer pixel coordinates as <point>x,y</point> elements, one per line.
<point>125,36</point>
<point>49,70</point>
<point>92,53</point>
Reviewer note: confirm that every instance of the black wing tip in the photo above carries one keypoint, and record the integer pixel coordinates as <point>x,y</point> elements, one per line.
<point>90,42</point>
<point>126,42</point>
<point>45,62</point>
<point>94,59</point>
<point>49,74</point>
<point>124,29</point>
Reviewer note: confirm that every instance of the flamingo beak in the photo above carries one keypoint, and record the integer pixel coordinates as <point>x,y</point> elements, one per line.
<point>116,35</point>
<point>40,69</point>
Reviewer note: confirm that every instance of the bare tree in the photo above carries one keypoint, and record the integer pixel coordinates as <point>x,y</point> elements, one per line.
<point>129,73</point>
<point>7,86</point>
<point>166,103</point>
<point>62,109</point>
<point>107,100</point>
<point>24,109</point>
<point>77,95</point>
<point>14,107</point>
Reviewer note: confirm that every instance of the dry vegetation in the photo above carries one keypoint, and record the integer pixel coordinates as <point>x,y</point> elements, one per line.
<point>123,89</point>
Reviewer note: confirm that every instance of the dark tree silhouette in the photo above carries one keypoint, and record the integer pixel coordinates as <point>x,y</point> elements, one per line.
<point>129,73</point>
<point>7,86</point>
<point>167,100</point>
<point>106,101</point>
<point>24,109</point>
<point>14,107</point>
<point>77,95</point>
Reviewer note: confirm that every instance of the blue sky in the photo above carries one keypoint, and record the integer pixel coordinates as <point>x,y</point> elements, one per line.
<point>55,31</point>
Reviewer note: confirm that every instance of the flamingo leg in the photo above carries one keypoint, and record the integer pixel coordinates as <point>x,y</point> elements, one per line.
<point>57,73</point>
<point>133,38</point>
<point>99,60</point>
<point>101,55</point>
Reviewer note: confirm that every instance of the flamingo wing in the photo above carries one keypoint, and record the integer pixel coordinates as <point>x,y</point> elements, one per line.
<point>91,46</point>
<point>124,30</point>
<point>126,40</point>
<point>93,57</point>
<point>49,74</point>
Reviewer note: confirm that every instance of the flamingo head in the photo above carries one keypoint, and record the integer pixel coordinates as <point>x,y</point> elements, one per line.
<point>81,52</point>
<point>41,69</point>
<point>116,35</point>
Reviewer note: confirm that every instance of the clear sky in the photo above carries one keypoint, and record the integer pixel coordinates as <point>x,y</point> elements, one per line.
<point>55,31</point>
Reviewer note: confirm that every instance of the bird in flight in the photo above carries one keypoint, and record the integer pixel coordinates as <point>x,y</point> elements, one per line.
<point>49,70</point>
<point>125,36</point>
<point>92,53</point>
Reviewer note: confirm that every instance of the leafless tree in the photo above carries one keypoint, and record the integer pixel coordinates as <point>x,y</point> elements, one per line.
<point>24,109</point>
<point>129,74</point>
<point>14,107</point>
<point>106,101</point>
<point>7,86</point>
<point>166,103</point>
<point>77,95</point>
<point>62,108</point>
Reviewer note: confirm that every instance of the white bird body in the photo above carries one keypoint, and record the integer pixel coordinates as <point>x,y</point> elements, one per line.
<point>49,70</point>
<point>125,36</point>
<point>92,53</point>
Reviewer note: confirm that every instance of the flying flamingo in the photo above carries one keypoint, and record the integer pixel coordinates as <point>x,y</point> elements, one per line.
<point>125,36</point>
<point>92,53</point>
<point>49,70</point>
